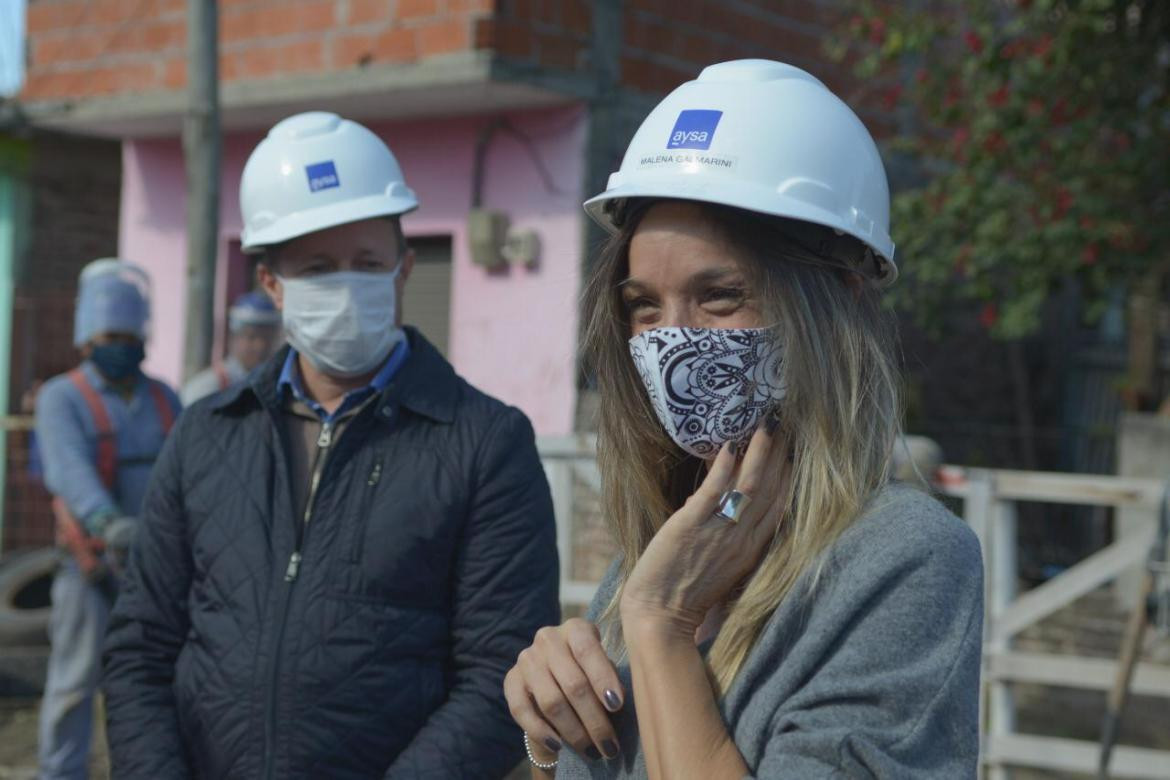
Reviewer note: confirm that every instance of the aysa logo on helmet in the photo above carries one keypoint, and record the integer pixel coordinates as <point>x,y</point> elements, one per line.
<point>694,129</point>
<point>322,176</point>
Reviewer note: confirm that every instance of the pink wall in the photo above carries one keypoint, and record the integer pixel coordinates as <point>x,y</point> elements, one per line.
<point>513,333</point>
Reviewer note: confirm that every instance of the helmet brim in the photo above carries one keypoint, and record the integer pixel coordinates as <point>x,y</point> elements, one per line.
<point>736,194</point>
<point>300,223</point>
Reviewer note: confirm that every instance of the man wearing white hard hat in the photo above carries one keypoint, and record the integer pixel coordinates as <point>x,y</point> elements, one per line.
<point>99,428</point>
<point>254,325</point>
<point>343,554</point>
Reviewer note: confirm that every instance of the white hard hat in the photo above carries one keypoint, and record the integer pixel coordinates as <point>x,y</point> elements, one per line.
<point>766,137</point>
<point>113,296</point>
<point>314,171</point>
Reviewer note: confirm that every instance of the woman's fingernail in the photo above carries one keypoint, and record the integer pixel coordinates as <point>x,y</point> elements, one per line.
<point>610,748</point>
<point>592,753</point>
<point>552,744</point>
<point>613,702</point>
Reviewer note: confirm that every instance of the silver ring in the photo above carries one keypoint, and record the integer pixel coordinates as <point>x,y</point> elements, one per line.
<point>732,505</point>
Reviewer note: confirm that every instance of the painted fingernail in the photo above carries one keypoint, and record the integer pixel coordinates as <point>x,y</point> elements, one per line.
<point>613,702</point>
<point>552,744</point>
<point>610,748</point>
<point>592,753</point>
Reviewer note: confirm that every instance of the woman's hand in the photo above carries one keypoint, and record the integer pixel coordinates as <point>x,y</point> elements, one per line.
<point>697,558</point>
<point>562,689</point>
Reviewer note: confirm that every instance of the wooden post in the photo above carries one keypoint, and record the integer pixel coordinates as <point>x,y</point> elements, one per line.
<point>559,472</point>
<point>201,150</point>
<point>1003,575</point>
<point>977,511</point>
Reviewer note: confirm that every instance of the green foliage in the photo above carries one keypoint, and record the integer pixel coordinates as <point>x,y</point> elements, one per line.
<point>1042,128</point>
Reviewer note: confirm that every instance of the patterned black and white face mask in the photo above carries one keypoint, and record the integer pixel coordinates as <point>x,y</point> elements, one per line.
<point>709,386</point>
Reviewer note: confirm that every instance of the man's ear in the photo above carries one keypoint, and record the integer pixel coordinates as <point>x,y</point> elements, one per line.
<point>855,282</point>
<point>407,264</point>
<point>271,285</point>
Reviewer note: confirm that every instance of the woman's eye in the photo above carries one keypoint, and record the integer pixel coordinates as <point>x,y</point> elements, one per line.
<point>640,307</point>
<point>724,295</point>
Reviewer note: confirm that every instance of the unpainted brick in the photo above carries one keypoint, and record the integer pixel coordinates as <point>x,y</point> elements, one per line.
<point>150,37</point>
<point>116,11</point>
<point>121,78</point>
<point>370,11</point>
<point>41,17</point>
<point>70,46</point>
<point>484,35</point>
<point>46,84</point>
<point>471,6</point>
<point>578,16</point>
<point>443,37</point>
<point>263,62</point>
<point>513,39</point>
<point>392,45</point>
<point>175,74</point>
<point>414,9</point>
<point>557,50</point>
<point>275,20</point>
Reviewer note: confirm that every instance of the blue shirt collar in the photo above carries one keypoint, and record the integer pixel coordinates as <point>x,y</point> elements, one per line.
<point>290,377</point>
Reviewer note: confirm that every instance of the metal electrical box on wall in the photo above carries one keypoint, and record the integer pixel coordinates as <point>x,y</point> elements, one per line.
<point>494,245</point>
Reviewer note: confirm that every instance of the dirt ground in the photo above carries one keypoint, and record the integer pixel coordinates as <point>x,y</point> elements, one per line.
<point>18,742</point>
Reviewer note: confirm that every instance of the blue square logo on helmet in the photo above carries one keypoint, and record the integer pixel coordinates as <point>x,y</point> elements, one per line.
<point>694,129</point>
<point>322,176</point>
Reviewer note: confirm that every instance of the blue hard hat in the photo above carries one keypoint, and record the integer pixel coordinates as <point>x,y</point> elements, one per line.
<point>254,308</point>
<point>113,296</point>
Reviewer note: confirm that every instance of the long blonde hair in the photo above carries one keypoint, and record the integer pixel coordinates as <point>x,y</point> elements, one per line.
<point>841,413</point>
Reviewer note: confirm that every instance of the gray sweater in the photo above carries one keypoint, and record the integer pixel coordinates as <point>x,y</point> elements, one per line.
<point>876,674</point>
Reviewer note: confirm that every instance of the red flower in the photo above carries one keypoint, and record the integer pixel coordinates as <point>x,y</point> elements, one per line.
<point>1035,107</point>
<point>994,143</point>
<point>1064,201</point>
<point>891,96</point>
<point>998,98</point>
<point>959,141</point>
<point>877,30</point>
<point>1058,114</point>
<point>974,42</point>
<point>988,316</point>
<point>1090,254</point>
<point>1043,46</point>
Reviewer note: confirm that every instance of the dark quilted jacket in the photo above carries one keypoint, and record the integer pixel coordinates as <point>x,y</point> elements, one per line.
<point>429,563</point>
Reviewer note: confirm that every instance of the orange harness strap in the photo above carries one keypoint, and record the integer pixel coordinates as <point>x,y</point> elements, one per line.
<point>71,535</point>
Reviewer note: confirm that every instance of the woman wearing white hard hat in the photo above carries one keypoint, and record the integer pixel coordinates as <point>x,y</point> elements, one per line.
<point>779,608</point>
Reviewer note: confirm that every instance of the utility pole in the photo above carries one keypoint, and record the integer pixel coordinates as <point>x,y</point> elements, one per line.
<point>201,150</point>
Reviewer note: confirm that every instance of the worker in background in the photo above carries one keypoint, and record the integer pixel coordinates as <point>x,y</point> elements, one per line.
<point>342,556</point>
<point>100,428</point>
<point>254,327</point>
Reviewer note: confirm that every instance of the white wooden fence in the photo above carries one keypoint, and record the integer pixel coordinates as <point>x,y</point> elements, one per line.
<point>569,459</point>
<point>989,505</point>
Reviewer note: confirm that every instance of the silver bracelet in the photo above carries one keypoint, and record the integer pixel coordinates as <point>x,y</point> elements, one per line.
<point>532,759</point>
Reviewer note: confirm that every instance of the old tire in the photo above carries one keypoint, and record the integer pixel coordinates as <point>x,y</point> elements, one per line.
<point>26,580</point>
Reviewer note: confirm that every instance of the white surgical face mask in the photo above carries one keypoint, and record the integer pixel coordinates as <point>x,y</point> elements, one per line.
<point>709,386</point>
<point>343,322</point>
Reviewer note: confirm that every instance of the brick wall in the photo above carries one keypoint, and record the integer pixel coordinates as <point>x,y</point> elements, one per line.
<point>82,48</point>
<point>666,42</point>
<point>86,48</point>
